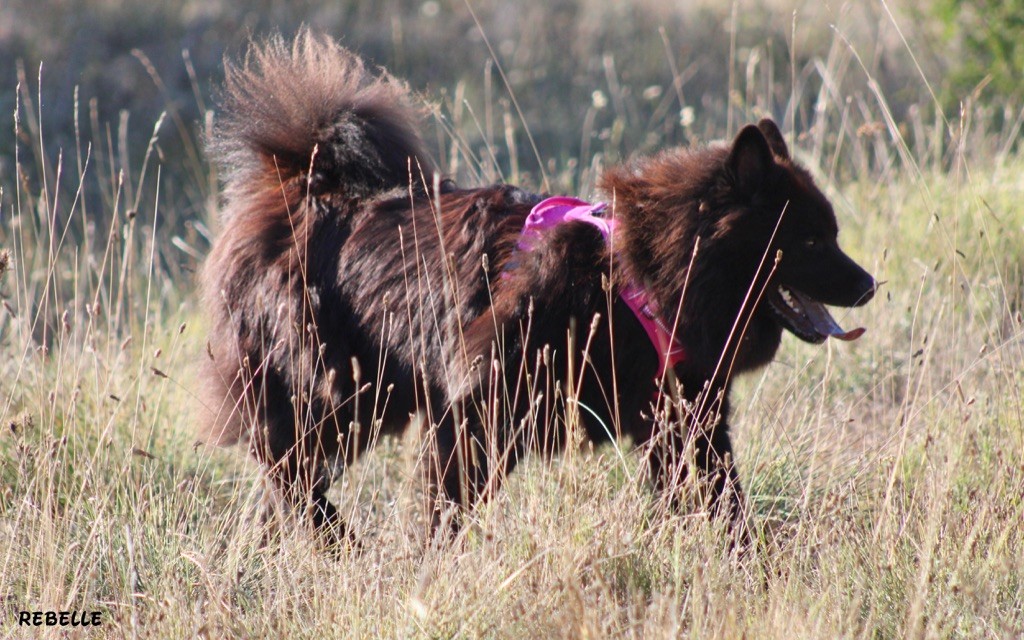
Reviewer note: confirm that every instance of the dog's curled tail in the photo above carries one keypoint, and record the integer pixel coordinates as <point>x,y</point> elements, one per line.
<point>310,116</point>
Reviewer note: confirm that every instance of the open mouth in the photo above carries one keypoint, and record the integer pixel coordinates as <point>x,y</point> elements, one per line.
<point>806,318</point>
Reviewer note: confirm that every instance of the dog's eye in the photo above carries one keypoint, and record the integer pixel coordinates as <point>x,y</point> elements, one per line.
<point>811,243</point>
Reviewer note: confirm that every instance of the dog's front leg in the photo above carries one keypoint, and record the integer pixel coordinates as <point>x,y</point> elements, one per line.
<point>699,437</point>
<point>468,461</point>
<point>456,473</point>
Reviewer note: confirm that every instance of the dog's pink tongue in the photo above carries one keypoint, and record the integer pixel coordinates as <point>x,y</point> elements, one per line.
<point>826,325</point>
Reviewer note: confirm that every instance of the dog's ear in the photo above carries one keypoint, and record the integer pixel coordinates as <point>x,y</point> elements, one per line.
<point>774,137</point>
<point>750,160</point>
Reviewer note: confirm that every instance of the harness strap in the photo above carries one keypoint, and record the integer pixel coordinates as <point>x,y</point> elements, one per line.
<point>551,212</point>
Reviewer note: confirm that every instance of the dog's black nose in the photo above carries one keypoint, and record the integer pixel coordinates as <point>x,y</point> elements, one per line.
<point>868,285</point>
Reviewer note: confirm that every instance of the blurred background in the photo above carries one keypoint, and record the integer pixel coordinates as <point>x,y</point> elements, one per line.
<point>104,85</point>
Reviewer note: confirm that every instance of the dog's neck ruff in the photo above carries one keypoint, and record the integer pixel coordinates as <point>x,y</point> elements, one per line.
<point>557,210</point>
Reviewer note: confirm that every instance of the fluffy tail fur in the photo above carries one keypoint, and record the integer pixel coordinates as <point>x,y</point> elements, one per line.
<point>311,110</point>
<point>301,123</point>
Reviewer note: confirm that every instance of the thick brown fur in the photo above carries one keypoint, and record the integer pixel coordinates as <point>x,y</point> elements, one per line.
<point>351,290</point>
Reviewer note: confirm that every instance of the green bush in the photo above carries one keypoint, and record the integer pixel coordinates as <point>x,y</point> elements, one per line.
<point>988,36</point>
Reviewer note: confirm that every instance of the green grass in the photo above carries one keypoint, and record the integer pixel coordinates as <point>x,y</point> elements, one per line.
<point>886,475</point>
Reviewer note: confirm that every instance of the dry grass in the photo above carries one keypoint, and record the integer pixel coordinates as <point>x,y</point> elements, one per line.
<point>886,475</point>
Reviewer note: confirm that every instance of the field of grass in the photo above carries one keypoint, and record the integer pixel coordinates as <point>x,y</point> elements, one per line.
<point>886,476</point>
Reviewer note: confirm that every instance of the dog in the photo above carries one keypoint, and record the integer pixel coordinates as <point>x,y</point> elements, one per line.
<point>352,292</point>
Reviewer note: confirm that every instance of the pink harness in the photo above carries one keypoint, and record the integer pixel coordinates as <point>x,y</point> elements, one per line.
<point>554,211</point>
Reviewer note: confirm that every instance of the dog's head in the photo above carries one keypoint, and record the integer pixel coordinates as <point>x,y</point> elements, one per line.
<point>812,271</point>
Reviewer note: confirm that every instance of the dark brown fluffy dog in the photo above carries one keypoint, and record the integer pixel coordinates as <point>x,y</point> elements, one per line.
<point>351,290</point>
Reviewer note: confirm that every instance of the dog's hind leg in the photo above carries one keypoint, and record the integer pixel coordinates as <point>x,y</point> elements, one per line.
<point>303,480</point>
<point>298,468</point>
